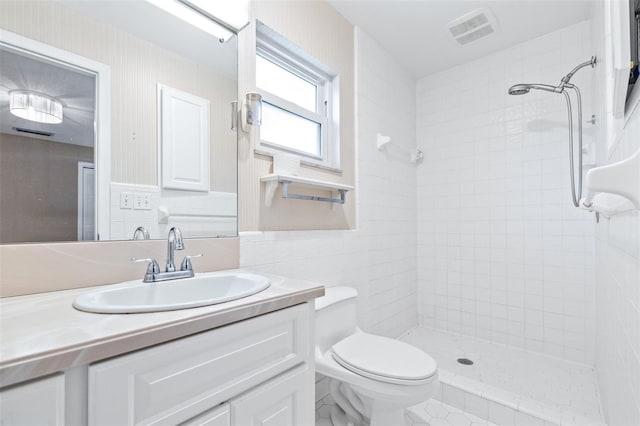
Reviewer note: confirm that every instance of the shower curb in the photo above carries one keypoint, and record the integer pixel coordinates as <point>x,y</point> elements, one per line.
<point>501,407</point>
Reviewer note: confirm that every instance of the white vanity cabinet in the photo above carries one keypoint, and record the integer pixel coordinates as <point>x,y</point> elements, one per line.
<point>282,401</point>
<point>38,402</point>
<point>260,370</point>
<point>218,416</point>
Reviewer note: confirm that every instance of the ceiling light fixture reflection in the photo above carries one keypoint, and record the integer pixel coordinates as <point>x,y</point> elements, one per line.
<point>35,107</point>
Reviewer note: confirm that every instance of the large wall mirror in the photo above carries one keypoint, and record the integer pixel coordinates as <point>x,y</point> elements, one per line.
<point>114,115</point>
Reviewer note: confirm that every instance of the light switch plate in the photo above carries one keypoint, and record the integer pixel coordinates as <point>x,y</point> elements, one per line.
<point>126,200</point>
<point>141,201</point>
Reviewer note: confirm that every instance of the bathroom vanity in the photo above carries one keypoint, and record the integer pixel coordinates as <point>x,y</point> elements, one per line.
<point>249,361</point>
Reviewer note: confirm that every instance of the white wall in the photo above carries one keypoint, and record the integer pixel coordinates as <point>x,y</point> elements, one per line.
<point>503,255</point>
<point>618,302</point>
<point>379,257</point>
<point>304,24</point>
<point>617,258</point>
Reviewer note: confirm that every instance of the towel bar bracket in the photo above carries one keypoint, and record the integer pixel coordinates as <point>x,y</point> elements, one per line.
<point>287,194</point>
<point>337,190</point>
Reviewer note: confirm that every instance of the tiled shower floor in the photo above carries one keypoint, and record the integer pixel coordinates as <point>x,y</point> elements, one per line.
<point>556,391</point>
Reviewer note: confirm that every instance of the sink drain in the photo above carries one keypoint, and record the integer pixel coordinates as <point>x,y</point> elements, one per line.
<point>465,361</point>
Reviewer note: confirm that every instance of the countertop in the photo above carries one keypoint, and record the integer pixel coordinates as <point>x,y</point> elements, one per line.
<point>43,333</point>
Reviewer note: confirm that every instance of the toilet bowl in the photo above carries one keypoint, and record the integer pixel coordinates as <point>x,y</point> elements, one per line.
<point>372,378</point>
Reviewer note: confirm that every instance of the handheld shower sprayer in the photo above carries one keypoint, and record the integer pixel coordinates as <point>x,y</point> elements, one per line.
<point>523,89</point>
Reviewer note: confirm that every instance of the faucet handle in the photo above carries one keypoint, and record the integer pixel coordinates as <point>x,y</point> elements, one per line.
<point>152,268</point>
<point>186,262</point>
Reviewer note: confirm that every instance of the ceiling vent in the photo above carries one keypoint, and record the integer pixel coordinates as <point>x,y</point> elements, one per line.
<point>473,26</point>
<point>33,132</point>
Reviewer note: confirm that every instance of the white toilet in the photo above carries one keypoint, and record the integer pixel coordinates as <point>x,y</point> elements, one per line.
<point>372,378</point>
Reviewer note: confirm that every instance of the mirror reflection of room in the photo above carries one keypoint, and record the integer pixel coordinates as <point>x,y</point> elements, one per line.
<point>46,150</point>
<point>147,143</point>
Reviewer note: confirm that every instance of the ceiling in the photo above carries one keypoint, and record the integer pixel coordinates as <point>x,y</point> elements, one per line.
<point>74,89</point>
<point>415,32</point>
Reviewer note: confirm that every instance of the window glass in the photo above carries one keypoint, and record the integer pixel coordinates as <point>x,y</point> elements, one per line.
<point>285,84</point>
<point>300,95</point>
<point>301,134</point>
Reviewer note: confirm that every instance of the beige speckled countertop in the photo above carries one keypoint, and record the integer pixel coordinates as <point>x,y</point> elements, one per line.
<point>43,333</point>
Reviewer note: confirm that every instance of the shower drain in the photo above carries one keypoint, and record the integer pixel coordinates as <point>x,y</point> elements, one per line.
<point>465,361</point>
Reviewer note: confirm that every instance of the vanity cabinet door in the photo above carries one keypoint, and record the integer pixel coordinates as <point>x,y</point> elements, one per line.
<point>219,416</point>
<point>175,381</point>
<point>286,400</point>
<point>40,402</point>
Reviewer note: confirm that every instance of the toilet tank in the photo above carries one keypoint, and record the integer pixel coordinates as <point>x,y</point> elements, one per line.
<point>335,316</point>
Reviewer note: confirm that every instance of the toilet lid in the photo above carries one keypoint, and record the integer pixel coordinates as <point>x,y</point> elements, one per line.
<point>384,359</point>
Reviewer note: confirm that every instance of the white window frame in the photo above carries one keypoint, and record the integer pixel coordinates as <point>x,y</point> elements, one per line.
<point>282,53</point>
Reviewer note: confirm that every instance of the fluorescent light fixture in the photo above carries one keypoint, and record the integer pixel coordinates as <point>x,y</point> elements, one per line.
<point>231,13</point>
<point>35,107</point>
<point>194,18</point>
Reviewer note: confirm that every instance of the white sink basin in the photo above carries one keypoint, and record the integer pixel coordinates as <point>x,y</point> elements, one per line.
<point>204,289</point>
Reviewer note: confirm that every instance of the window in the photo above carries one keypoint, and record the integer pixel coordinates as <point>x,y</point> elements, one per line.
<point>298,95</point>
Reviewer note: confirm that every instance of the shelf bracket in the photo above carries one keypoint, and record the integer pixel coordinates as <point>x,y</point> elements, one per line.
<point>270,190</point>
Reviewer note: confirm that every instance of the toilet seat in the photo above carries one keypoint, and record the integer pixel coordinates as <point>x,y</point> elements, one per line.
<point>384,359</point>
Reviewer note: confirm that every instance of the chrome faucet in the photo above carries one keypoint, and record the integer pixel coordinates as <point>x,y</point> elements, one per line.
<point>174,242</point>
<point>141,233</point>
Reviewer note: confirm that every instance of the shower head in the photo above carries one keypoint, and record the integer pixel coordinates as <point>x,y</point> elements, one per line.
<point>523,89</point>
<point>519,89</point>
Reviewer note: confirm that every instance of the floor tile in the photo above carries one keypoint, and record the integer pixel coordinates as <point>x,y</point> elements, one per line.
<point>429,413</point>
<point>512,376</point>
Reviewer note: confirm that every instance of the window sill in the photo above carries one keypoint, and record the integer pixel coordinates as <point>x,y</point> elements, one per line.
<point>268,153</point>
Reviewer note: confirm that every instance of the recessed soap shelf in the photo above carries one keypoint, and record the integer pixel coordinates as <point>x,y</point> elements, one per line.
<point>273,180</point>
<point>614,188</point>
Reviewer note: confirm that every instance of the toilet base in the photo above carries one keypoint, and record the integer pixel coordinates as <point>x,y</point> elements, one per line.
<point>339,418</point>
<point>354,409</point>
<point>383,415</point>
<point>381,418</point>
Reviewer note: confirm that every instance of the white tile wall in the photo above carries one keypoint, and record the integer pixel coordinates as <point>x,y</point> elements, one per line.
<point>617,259</point>
<point>379,257</point>
<point>503,255</point>
<point>618,308</point>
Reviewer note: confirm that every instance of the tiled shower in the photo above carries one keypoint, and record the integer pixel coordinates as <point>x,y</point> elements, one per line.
<point>504,256</point>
